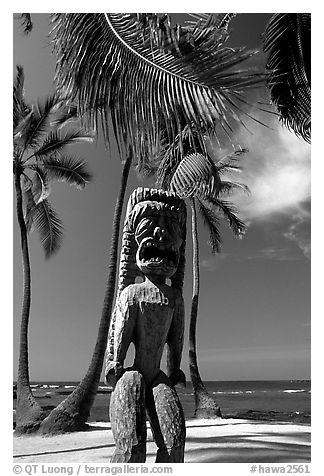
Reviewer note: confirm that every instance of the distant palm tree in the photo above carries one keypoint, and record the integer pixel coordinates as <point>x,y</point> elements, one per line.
<point>287,39</point>
<point>199,178</point>
<point>137,75</point>
<point>38,159</point>
<point>26,22</point>
<point>72,413</point>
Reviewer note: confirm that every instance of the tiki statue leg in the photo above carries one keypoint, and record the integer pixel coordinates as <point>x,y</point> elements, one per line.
<point>166,420</point>
<point>128,419</point>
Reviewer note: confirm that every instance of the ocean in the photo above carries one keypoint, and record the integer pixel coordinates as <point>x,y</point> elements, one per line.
<point>270,400</point>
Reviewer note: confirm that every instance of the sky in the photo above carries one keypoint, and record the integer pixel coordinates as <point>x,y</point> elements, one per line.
<point>254,310</point>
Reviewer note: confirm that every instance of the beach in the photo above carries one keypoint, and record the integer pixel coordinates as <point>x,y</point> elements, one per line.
<point>207,441</point>
<point>266,421</point>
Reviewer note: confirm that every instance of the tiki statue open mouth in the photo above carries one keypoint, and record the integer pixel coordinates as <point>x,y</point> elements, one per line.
<point>154,254</point>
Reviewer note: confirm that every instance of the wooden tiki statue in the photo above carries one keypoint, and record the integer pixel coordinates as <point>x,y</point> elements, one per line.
<point>151,315</point>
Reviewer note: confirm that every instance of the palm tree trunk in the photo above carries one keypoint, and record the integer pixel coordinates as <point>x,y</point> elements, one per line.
<point>73,412</point>
<point>205,406</point>
<point>28,412</point>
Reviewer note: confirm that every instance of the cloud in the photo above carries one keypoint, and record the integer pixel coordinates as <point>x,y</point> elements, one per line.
<point>278,253</point>
<point>299,232</point>
<point>213,262</point>
<point>277,171</point>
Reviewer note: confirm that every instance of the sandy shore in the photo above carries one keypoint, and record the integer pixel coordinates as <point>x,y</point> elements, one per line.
<point>224,441</point>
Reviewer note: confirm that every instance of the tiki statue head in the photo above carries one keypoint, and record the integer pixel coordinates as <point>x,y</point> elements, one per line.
<point>154,237</point>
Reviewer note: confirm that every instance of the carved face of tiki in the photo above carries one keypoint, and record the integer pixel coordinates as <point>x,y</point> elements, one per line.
<point>154,238</point>
<point>158,236</point>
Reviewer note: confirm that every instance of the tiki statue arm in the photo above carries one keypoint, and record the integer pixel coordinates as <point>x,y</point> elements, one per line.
<point>120,336</point>
<point>175,345</point>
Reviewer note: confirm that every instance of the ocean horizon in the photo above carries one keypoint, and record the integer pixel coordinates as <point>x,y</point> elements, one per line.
<point>269,400</point>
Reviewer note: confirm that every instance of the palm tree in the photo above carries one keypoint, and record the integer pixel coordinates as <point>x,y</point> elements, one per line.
<point>135,72</point>
<point>136,75</point>
<point>287,40</point>
<point>198,178</point>
<point>37,160</point>
<point>72,413</point>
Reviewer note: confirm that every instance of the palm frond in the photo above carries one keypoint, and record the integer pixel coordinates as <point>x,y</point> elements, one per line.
<point>231,162</point>
<point>56,140</point>
<point>49,226</point>
<point>67,169</point>
<point>221,20</point>
<point>26,23</point>
<point>163,171</point>
<point>212,221</point>
<point>171,154</point>
<point>196,175</point>
<point>168,161</point>
<point>33,127</point>
<point>211,211</point>
<point>22,128</point>
<point>20,108</point>
<point>287,39</point>
<point>41,186</point>
<point>229,213</point>
<point>157,31</point>
<point>229,187</point>
<point>104,63</point>
<point>29,202</point>
<point>67,113</point>
<point>224,19</point>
